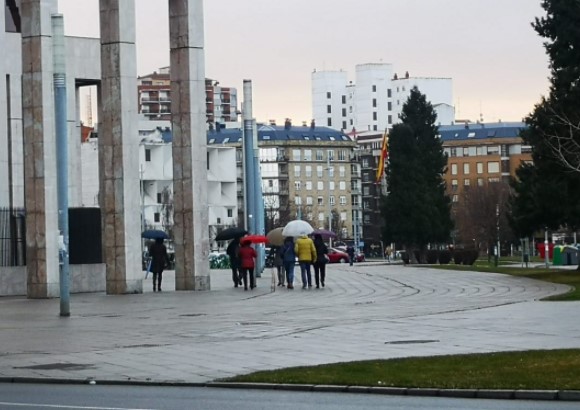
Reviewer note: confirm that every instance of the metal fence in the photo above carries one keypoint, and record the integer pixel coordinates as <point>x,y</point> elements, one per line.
<point>12,237</point>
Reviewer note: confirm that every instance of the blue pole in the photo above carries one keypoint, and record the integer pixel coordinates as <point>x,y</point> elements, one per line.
<point>59,78</point>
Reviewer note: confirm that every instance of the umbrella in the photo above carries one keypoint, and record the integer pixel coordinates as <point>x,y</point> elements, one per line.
<point>297,228</point>
<point>154,234</point>
<point>275,237</point>
<point>326,234</point>
<point>230,233</point>
<point>254,239</point>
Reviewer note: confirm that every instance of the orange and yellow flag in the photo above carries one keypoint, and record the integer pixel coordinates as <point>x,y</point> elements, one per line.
<point>383,158</point>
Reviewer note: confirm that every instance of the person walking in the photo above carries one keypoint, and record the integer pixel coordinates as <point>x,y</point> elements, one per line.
<point>321,260</point>
<point>232,251</point>
<point>288,260</point>
<point>247,262</point>
<point>278,263</point>
<point>159,261</point>
<point>350,251</point>
<point>306,253</point>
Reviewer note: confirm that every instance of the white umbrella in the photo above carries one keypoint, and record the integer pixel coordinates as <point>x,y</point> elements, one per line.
<point>297,228</point>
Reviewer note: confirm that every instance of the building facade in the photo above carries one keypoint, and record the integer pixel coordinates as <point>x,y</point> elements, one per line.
<point>307,173</point>
<point>374,101</point>
<point>154,92</point>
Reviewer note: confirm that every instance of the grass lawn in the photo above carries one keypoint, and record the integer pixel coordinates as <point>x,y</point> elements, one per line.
<point>544,369</point>
<point>563,276</point>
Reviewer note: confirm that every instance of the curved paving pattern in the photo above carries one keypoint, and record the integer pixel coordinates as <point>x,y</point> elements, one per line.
<point>366,311</point>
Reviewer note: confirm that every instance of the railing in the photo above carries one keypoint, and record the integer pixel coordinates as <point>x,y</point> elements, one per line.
<point>12,237</point>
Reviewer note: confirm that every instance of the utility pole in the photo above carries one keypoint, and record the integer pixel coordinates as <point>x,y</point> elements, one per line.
<point>59,78</point>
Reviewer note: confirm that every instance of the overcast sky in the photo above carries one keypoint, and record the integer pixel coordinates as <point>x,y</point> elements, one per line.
<point>488,47</point>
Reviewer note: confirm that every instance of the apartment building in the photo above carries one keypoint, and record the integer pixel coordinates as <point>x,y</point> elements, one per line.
<point>307,172</point>
<point>482,153</point>
<point>373,102</point>
<point>155,98</point>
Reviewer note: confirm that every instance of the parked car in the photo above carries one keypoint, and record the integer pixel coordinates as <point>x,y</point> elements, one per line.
<point>337,256</point>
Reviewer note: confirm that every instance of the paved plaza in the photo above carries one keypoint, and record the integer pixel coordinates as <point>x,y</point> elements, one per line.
<point>367,311</point>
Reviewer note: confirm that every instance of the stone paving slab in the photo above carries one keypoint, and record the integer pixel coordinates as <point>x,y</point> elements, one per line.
<point>368,311</point>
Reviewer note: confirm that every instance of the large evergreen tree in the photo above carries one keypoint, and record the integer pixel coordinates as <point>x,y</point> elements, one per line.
<point>416,211</point>
<point>547,193</point>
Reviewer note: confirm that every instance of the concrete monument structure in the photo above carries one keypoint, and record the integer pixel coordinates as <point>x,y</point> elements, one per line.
<point>119,196</point>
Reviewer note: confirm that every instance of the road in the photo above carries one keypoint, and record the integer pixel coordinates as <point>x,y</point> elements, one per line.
<point>102,397</point>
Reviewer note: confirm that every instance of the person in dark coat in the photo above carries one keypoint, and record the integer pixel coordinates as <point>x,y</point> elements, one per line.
<point>233,253</point>
<point>350,251</point>
<point>288,260</point>
<point>159,261</point>
<point>320,263</point>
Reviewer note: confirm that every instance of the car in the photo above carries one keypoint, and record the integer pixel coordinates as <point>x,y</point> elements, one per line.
<point>337,256</point>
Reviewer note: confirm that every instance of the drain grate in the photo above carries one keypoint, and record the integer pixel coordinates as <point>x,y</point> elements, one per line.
<point>410,342</point>
<point>58,366</point>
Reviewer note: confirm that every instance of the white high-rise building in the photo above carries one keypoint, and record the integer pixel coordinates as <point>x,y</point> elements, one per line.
<point>374,101</point>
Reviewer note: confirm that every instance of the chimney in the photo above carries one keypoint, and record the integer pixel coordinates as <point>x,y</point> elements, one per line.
<point>287,124</point>
<point>312,124</point>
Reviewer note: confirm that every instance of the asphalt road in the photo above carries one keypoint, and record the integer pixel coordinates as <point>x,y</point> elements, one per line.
<point>103,397</point>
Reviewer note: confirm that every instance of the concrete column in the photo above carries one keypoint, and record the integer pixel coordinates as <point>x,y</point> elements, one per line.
<point>119,148</point>
<point>188,112</point>
<point>39,150</point>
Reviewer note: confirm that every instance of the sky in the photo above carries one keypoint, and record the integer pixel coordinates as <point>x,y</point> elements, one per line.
<point>488,47</point>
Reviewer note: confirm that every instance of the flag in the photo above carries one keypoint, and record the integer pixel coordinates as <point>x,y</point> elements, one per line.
<point>383,158</point>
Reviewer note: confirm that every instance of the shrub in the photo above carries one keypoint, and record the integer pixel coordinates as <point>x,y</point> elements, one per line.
<point>470,256</point>
<point>405,257</point>
<point>417,254</point>
<point>444,257</point>
<point>432,255</point>
<point>458,256</point>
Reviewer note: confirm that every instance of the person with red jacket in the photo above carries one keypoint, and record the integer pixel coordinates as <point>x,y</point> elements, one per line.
<point>247,256</point>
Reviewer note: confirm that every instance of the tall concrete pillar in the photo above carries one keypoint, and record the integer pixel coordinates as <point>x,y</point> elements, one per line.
<point>39,149</point>
<point>119,148</point>
<point>188,112</point>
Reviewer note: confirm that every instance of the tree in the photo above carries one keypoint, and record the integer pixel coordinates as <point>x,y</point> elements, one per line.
<point>416,210</point>
<point>547,193</point>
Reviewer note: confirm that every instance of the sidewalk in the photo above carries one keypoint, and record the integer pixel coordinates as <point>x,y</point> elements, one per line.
<point>367,311</point>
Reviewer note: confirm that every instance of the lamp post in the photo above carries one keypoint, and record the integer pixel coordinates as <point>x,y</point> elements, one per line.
<point>546,248</point>
<point>328,195</point>
<point>497,248</point>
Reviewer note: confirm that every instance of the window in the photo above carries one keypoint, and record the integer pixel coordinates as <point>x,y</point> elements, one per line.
<point>319,171</point>
<point>466,168</point>
<point>374,102</point>
<point>493,180</point>
<point>344,99</point>
<point>159,200</point>
<point>297,171</point>
<point>297,185</point>
<point>331,185</point>
<point>320,200</point>
<point>480,150</point>
<point>344,125</point>
<point>344,112</point>
<point>374,116</point>
<point>341,155</point>
<point>148,155</point>
<point>329,95</point>
<point>343,217</point>
<point>319,155</point>
<point>321,216</point>
<point>342,200</point>
<point>329,109</point>
<point>342,171</point>
<point>157,217</point>
<point>492,167</point>
<point>296,155</point>
<point>365,162</point>
<point>389,119</point>
<point>480,167</point>
<point>329,122</point>
<point>374,88</point>
<point>453,169</point>
<point>297,200</point>
<point>366,191</point>
<point>332,201</point>
<point>455,198</point>
<point>389,106</point>
<point>342,185</point>
<point>308,171</point>
<point>465,151</point>
<point>453,152</point>
<point>330,154</point>
<point>389,93</point>
<point>230,212</point>
<point>466,182</point>
<point>493,150</point>
<point>308,200</point>
<point>307,155</point>
<point>331,172</point>
<point>454,185</point>
<point>309,185</point>
<point>320,185</point>
<point>479,181</point>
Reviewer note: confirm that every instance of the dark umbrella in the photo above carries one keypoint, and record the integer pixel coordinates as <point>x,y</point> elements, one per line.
<point>154,234</point>
<point>230,233</point>
<point>326,234</point>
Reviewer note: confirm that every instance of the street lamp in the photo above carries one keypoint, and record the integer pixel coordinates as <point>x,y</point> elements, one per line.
<point>497,234</point>
<point>328,195</point>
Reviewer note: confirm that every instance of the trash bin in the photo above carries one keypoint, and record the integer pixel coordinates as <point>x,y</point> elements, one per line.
<point>557,260</point>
